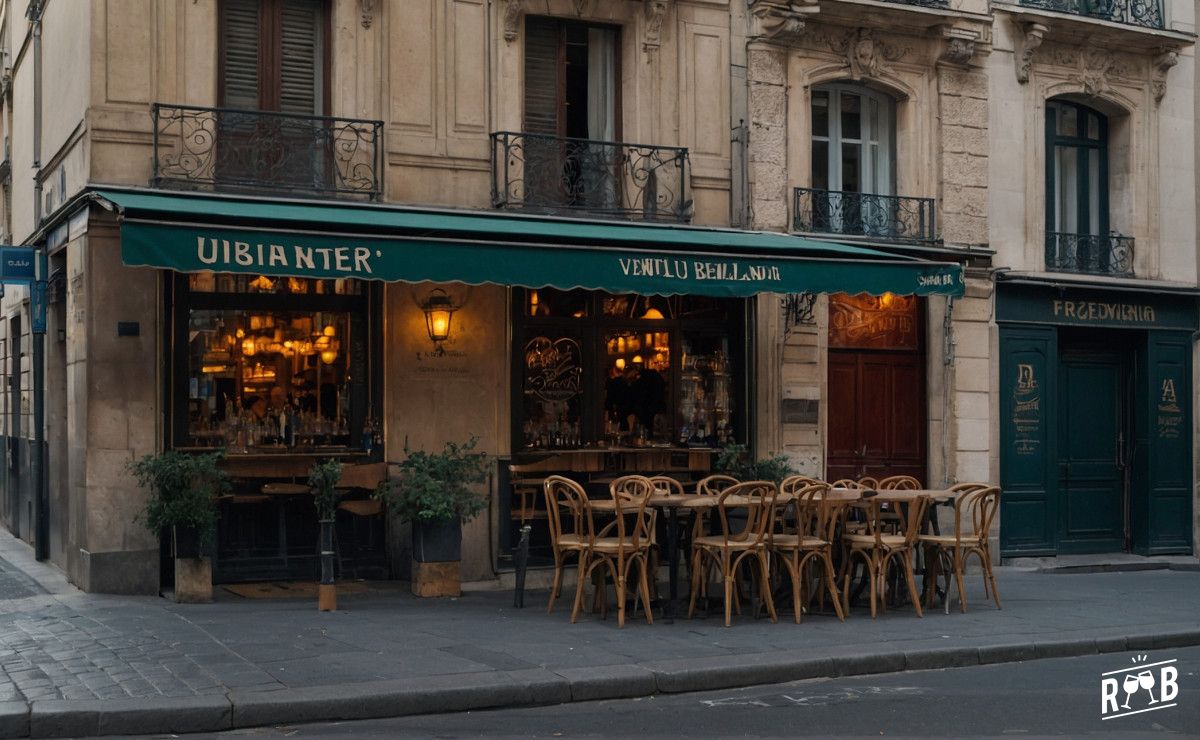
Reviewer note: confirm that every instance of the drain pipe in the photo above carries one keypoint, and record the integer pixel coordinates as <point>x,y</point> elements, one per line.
<point>37,307</point>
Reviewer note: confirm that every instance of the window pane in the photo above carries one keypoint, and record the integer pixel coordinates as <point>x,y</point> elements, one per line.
<point>820,113</point>
<point>875,130</point>
<point>1066,177</point>
<point>637,389</point>
<point>851,116</point>
<point>1068,124</point>
<point>548,302</point>
<point>1094,186</point>
<point>1093,127</point>
<point>705,399</point>
<point>851,164</point>
<point>820,165</point>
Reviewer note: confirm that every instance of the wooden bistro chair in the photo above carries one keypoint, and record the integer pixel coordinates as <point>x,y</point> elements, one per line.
<point>620,550</point>
<point>899,483</point>
<point>566,507</point>
<point>729,549</point>
<point>867,483</point>
<point>809,540</point>
<point>879,549</point>
<point>847,483</point>
<point>974,511</point>
<point>366,520</point>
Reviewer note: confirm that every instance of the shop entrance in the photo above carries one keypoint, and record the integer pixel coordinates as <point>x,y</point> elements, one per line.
<point>1095,448</point>
<point>876,387</point>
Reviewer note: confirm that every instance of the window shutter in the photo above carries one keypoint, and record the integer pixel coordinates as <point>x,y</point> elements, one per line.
<point>241,28</point>
<point>541,76</point>
<point>300,76</point>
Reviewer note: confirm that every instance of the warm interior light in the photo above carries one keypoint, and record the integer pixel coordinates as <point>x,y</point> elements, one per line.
<point>439,310</point>
<point>329,330</point>
<point>248,348</point>
<point>637,360</point>
<point>533,303</point>
<point>620,363</point>
<point>329,357</point>
<point>652,313</point>
<point>887,299</point>
<point>262,282</point>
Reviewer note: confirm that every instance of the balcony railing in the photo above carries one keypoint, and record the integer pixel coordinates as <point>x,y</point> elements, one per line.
<point>923,3</point>
<point>1145,13</point>
<point>550,174</point>
<point>888,218</point>
<point>227,149</point>
<point>1094,254</point>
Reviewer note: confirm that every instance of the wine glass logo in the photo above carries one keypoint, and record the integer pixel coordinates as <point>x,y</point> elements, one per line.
<point>1146,681</point>
<point>1130,687</point>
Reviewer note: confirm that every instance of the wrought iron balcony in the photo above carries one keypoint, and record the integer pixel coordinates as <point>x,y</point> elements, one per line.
<point>227,149</point>
<point>888,218</point>
<point>923,3</point>
<point>550,174</point>
<point>1145,13</point>
<point>1094,254</point>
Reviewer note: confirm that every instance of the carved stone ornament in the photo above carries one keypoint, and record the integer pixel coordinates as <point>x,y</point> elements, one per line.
<point>1028,40</point>
<point>1095,67</point>
<point>367,8</point>
<point>780,22</point>
<point>656,11</point>
<point>510,19</point>
<point>581,7</point>
<point>1159,66</point>
<point>866,55</point>
<point>958,50</point>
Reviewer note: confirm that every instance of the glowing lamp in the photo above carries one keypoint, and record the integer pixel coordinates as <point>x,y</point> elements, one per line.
<point>439,310</point>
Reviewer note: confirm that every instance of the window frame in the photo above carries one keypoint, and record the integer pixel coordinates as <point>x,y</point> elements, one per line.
<point>270,84</point>
<point>563,24</point>
<point>833,139</point>
<point>1083,145</point>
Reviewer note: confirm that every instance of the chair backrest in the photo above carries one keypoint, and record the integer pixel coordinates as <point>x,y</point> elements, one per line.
<point>566,508</point>
<point>759,516</point>
<point>849,483</point>
<point>960,488</point>
<point>814,514</point>
<point>980,507</point>
<point>368,475</point>
<point>714,484</point>
<point>630,493</point>
<point>793,483</point>
<point>667,484</point>
<point>911,515</point>
<point>899,483</point>
<point>552,463</point>
<point>868,483</point>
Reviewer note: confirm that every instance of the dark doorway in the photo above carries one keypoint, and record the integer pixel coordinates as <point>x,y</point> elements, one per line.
<point>876,388</point>
<point>1094,441</point>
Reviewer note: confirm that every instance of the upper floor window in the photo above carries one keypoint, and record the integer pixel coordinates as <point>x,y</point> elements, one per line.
<point>273,55</point>
<point>1077,169</point>
<point>570,79</point>
<point>852,134</point>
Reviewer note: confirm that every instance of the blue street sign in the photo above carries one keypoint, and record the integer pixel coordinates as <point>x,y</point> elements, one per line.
<point>17,265</point>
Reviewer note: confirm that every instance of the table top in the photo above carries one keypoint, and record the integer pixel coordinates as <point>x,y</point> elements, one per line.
<point>839,496</point>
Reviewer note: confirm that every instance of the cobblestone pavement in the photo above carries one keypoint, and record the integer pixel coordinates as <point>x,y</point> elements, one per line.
<point>63,644</point>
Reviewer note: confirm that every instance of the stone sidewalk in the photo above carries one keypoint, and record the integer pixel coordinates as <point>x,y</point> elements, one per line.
<point>78,664</point>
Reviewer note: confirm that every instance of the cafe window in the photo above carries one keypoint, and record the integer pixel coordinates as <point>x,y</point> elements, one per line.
<point>273,363</point>
<point>627,370</point>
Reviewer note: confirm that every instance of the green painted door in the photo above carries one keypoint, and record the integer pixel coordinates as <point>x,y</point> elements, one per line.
<point>1092,439</point>
<point>1028,382</point>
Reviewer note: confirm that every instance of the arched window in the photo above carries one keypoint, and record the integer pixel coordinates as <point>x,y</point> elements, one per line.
<point>1077,227</point>
<point>853,170</point>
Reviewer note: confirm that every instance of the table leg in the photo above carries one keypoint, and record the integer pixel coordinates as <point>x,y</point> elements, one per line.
<point>672,564</point>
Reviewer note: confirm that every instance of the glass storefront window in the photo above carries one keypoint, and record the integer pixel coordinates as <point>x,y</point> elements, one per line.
<point>264,364</point>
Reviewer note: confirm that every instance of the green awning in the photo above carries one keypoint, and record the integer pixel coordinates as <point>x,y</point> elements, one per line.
<point>262,236</point>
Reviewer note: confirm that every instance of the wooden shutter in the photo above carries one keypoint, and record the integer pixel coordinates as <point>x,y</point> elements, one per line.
<point>543,71</point>
<point>239,64</point>
<point>301,58</point>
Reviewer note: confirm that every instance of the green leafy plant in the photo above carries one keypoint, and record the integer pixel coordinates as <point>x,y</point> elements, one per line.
<point>323,477</point>
<point>735,460</point>
<point>182,487</point>
<point>437,486</point>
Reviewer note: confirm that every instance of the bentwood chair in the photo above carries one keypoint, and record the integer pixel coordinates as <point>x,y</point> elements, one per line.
<point>868,483</point>
<point>804,534</point>
<point>668,485</point>
<point>974,511</point>
<point>899,483</point>
<point>619,552</point>
<point>879,549</point>
<point>566,509</point>
<point>728,550</point>
<point>847,483</point>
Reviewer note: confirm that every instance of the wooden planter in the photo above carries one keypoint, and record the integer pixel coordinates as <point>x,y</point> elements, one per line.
<point>193,572</point>
<point>437,556</point>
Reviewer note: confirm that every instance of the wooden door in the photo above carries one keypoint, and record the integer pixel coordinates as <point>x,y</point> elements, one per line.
<point>1092,442</point>
<point>876,414</point>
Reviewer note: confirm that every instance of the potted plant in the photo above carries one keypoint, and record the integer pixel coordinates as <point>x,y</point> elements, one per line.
<point>183,488</point>
<point>323,477</point>
<point>435,491</point>
<point>734,460</point>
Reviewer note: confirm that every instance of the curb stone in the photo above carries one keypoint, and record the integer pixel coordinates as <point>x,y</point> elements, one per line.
<point>529,687</point>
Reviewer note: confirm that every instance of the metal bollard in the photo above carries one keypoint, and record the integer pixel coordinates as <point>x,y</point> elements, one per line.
<point>521,560</point>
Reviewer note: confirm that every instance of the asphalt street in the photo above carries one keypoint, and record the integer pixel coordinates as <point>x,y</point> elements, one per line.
<point>1058,697</point>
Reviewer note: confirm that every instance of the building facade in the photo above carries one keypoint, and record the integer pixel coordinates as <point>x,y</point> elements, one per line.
<point>157,150</point>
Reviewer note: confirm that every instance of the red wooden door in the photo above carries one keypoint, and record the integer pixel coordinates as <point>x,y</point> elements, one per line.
<point>876,414</point>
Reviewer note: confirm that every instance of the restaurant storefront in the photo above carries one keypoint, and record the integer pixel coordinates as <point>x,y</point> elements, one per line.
<point>294,331</point>
<point>1096,405</point>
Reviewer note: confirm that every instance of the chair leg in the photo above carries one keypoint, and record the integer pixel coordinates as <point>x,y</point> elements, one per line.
<point>906,562</point>
<point>831,584</point>
<point>990,576</point>
<point>645,589</point>
<point>765,590</point>
<point>556,586</point>
<point>873,570</point>
<point>580,580</point>
<point>727,573</point>
<point>793,566</point>
<point>959,563</point>
<point>697,557</point>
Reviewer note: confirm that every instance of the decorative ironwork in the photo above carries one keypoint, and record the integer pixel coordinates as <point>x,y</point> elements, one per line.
<point>1096,254</point>
<point>799,309</point>
<point>923,3</point>
<point>228,149</point>
<point>551,174</point>
<point>889,218</point>
<point>1145,13</point>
